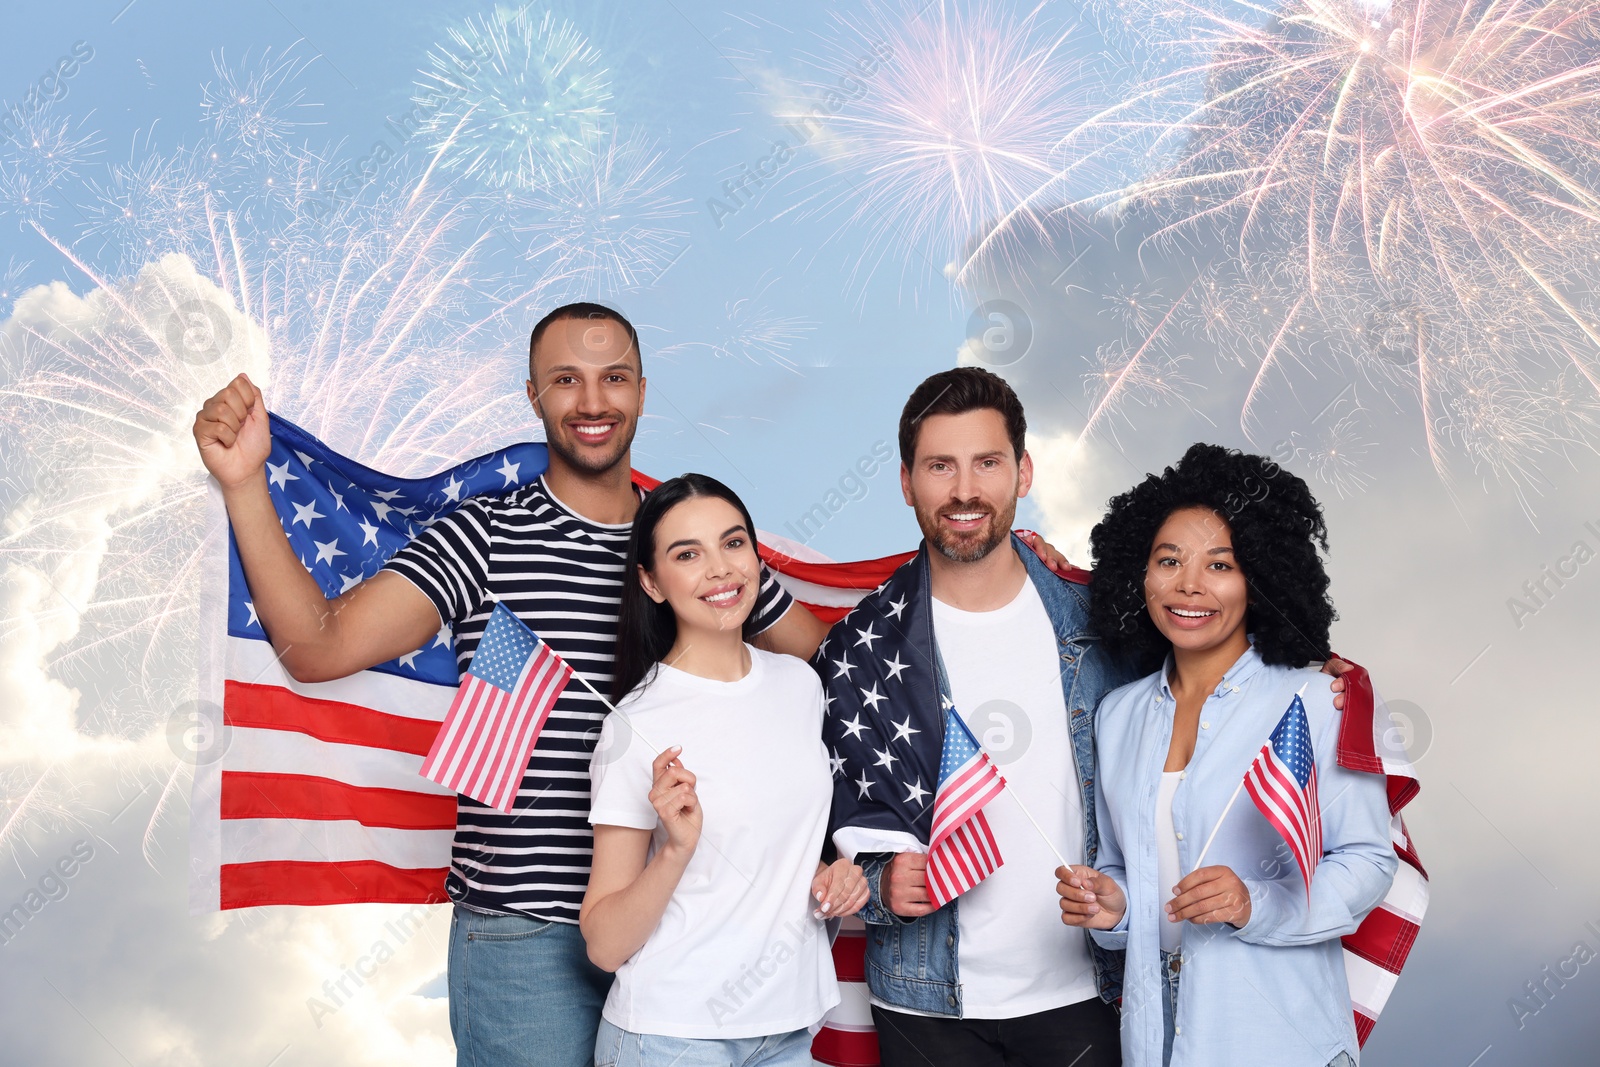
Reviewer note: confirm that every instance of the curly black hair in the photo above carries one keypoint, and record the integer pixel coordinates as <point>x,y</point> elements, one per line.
<point>1277,526</point>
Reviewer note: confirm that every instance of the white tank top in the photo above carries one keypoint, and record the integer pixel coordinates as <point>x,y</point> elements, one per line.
<point>1167,858</point>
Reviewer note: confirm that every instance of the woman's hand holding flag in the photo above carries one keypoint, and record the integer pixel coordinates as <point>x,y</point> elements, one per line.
<point>672,795</point>
<point>1089,899</point>
<point>1210,895</point>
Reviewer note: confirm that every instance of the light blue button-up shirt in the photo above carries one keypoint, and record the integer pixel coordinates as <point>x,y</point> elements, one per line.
<point>1273,992</point>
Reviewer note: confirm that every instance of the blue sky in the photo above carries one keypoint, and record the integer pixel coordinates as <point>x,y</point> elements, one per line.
<point>695,78</point>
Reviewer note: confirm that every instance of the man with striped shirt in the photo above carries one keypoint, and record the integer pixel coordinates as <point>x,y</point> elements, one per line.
<point>522,990</point>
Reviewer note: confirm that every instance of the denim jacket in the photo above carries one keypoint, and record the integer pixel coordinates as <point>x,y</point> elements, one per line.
<point>912,963</point>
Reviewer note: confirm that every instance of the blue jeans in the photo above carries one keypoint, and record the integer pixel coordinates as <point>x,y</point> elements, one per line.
<point>522,992</point>
<point>1171,962</point>
<point>616,1047</point>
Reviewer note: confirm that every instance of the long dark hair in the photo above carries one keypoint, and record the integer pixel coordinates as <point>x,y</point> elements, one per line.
<point>645,629</point>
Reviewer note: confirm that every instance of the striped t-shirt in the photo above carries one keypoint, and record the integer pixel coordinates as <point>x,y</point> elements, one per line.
<point>562,575</point>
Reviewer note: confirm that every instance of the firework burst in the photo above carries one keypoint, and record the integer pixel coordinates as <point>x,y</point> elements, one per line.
<point>367,318</point>
<point>46,152</point>
<point>512,96</point>
<point>751,331</point>
<point>1114,371</point>
<point>1418,185</point>
<point>150,206</point>
<point>255,109</point>
<point>604,222</point>
<point>40,801</point>
<point>11,282</point>
<point>1334,455</point>
<point>952,120</point>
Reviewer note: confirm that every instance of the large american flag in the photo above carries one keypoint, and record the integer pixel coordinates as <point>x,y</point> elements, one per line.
<point>885,725</point>
<point>483,747</point>
<point>1282,780</point>
<point>313,796</point>
<point>962,851</point>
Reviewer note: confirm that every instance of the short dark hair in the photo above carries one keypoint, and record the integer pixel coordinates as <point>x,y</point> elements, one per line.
<point>1277,527</point>
<point>955,392</point>
<point>583,309</point>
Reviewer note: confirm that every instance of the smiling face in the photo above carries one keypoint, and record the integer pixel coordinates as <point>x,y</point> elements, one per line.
<point>964,482</point>
<point>588,389</point>
<point>1193,587</point>
<point>705,566</point>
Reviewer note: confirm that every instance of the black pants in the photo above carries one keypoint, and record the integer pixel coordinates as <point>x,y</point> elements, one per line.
<point>1086,1034</point>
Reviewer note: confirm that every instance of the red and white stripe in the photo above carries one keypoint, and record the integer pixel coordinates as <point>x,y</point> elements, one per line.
<point>315,798</point>
<point>1375,954</point>
<point>847,1037</point>
<point>483,748</point>
<point>829,590</point>
<point>961,860</point>
<point>961,848</point>
<point>1293,811</point>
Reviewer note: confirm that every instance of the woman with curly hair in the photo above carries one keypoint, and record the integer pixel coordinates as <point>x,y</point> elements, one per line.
<point>1209,576</point>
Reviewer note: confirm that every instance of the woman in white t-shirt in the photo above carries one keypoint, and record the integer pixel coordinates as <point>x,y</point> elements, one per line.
<point>707,897</point>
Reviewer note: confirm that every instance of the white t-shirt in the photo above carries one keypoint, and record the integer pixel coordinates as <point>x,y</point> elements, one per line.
<point>737,952</point>
<point>1015,956</point>
<point>1167,856</point>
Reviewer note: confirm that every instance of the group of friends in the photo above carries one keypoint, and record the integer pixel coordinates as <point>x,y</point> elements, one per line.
<point>661,892</point>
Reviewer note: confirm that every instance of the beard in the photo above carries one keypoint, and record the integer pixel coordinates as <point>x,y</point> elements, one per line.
<point>587,460</point>
<point>966,547</point>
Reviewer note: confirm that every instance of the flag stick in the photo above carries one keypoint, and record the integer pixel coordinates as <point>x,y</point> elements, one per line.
<point>628,722</point>
<point>1024,809</point>
<point>1051,845</point>
<point>604,700</point>
<point>1236,790</point>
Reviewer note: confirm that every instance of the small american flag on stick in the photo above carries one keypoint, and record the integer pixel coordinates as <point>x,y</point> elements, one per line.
<point>961,850</point>
<point>513,682</point>
<point>1282,780</point>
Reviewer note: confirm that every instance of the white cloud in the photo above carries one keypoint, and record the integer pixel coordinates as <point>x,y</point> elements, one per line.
<point>114,967</point>
<point>110,383</point>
